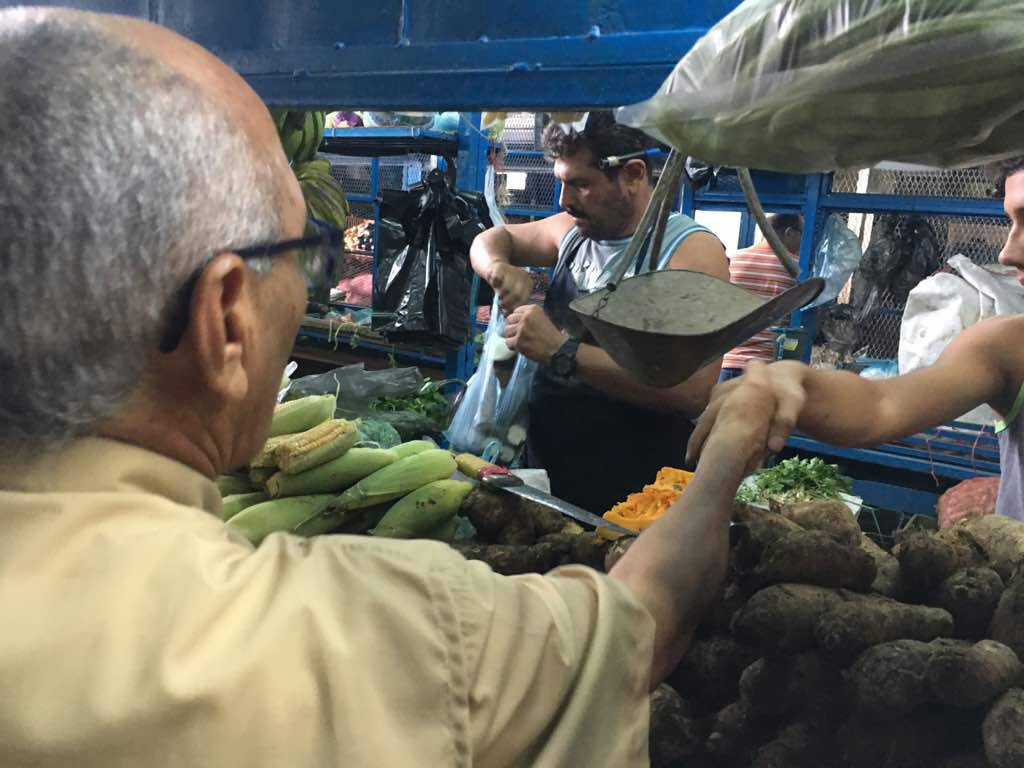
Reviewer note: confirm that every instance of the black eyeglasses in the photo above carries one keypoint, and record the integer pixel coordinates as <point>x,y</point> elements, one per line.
<point>318,248</point>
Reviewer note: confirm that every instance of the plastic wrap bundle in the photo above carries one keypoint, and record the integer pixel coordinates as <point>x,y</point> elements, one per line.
<point>804,86</point>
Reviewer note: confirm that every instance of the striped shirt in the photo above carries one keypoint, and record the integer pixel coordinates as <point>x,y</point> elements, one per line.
<point>758,270</point>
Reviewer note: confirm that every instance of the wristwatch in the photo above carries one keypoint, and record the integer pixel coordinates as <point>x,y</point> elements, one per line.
<point>563,362</point>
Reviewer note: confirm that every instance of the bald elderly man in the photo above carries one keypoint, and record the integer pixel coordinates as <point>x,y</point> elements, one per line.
<point>152,290</point>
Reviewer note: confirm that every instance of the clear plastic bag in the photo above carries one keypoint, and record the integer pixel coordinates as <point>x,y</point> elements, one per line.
<point>804,86</point>
<point>837,258</point>
<point>491,418</point>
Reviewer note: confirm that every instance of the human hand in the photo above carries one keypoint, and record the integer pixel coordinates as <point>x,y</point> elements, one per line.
<point>530,332</point>
<point>512,284</point>
<point>764,405</point>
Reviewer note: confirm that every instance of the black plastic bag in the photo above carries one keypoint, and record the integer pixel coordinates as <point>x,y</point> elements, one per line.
<point>423,280</point>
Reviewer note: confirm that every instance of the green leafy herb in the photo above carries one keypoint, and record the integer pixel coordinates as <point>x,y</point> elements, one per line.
<point>429,403</point>
<point>795,480</point>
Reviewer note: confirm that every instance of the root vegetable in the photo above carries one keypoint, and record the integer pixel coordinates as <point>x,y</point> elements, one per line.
<point>499,518</point>
<point>782,617</point>
<point>861,621</point>
<point>508,559</point>
<point>1008,619</point>
<point>1003,730</point>
<point>889,680</point>
<point>674,736</point>
<point>916,742</point>
<point>798,745</point>
<point>971,596</point>
<point>616,551</point>
<point>966,677</point>
<point>589,549</point>
<point>902,677</point>
<point>809,557</point>
<point>709,673</point>
<point>789,685</point>
<point>719,616</point>
<point>1001,538</point>
<point>736,733</point>
<point>927,559</point>
<point>831,517</point>
<point>887,568</point>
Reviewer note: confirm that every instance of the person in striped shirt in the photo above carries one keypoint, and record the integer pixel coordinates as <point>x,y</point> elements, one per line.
<point>758,269</point>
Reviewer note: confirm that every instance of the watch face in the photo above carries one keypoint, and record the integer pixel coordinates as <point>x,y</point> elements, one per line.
<point>561,364</point>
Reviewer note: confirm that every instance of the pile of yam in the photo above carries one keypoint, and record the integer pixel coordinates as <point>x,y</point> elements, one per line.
<point>827,651</point>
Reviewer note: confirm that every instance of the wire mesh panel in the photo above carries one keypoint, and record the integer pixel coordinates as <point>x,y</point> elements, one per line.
<point>955,182</point>
<point>356,284</point>
<point>400,172</point>
<point>978,238</point>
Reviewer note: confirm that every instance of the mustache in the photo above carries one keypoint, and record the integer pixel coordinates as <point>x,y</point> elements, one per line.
<point>575,213</point>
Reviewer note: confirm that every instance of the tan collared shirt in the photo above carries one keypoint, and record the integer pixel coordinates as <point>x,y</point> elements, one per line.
<point>139,631</point>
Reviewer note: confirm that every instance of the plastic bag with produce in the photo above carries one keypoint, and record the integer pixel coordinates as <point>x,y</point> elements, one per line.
<point>805,85</point>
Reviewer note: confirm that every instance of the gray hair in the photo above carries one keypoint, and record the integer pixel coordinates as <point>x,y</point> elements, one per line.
<point>118,179</point>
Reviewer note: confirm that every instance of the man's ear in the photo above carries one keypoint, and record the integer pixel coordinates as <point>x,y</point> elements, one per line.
<point>221,324</point>
<point>634,172</point>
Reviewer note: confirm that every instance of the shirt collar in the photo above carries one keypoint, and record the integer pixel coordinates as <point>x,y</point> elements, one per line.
<point>95,464</point>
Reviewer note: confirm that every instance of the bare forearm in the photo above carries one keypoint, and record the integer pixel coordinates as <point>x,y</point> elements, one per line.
<point>490,247</point>
<point>679,563</point>
<point>595,368</point>
<point>844,409</point>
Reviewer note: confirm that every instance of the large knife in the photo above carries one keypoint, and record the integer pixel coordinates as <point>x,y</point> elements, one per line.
<point>500,479</point>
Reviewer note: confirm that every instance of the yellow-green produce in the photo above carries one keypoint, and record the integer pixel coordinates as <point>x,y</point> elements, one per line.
<point>265,458</point>
<point>260,520</point>
<point>398,479</point>
<point>324,442</point>
<point>258,477</point>
<point>302,414</point>
<point>412,447</point>
<point>423,510</point>
<point>334,476</point>
<point>232,505</point>
<point>229,485</point>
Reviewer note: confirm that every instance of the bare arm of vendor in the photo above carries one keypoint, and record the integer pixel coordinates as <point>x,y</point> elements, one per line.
<point>982,365</point>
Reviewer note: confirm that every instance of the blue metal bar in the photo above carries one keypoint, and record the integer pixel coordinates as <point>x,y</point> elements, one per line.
<point>528,73</point>
<point>389,133</point>
<point>927,206</point>
<point>732,201</point>
<point>540,213</point>
<point>354,197</point>
<point>896,497</point>
<point>687,201</point>
<point>748,230</point>
<point>815,187</point>
<point>524,153</point>
<point>882,459</point>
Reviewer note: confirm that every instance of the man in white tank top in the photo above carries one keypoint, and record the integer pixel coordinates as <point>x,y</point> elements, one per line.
<point>599,432</point>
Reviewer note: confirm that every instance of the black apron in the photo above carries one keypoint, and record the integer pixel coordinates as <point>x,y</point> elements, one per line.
<point>596,450</point>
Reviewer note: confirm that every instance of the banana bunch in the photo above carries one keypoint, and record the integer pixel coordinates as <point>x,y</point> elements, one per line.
<point>301,133</point>
<point>325,199</point>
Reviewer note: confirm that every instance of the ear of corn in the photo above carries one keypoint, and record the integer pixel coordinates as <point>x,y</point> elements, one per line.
<point>265,458</point>
<point>316,446</point>
<point>258,477</point>
<point>333,476</point>
<point>232,505</point>
<point>302,414</point>
<point>229,485</point>
<point>470,465</point>
<point>398,479</point>
<point>413,447</point>
<point>424,510</point>
<point>348,521</point>
<point>260,520</point>
<point>446,531</point>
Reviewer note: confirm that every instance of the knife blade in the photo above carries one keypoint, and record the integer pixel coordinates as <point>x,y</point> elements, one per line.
<point>515,485</point>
